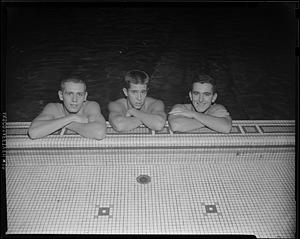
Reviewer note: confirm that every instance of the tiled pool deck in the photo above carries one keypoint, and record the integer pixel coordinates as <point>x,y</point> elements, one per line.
<point>237,192</point>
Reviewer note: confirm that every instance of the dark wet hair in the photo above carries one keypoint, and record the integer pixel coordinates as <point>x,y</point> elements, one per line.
<point>203,78</point>
<point>73,79</point>
<point>136,77</point>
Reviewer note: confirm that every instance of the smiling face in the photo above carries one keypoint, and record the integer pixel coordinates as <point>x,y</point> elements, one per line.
<point>73,95</point>
<point>202,96</point>
<point>136,95</point>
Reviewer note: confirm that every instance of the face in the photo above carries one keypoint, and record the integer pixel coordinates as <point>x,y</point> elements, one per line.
<point>136,95</point>
<point>73,96</point>
<point>202,96</point>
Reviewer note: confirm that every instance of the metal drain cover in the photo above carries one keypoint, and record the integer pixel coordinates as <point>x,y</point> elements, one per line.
<point>143,179</point>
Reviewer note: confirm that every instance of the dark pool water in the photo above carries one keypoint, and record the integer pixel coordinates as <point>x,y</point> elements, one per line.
<point>249,49</point>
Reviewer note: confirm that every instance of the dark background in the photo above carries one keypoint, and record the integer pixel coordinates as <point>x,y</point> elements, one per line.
<point>248,47</point>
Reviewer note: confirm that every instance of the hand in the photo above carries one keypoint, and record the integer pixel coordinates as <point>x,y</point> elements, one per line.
<point>130,112</point>
<point>182,112</point>
<point>80,119</point>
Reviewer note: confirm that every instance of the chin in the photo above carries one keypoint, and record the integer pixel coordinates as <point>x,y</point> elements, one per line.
<point>201,110</point>
<point>73,111</point>
<point>138,107</point>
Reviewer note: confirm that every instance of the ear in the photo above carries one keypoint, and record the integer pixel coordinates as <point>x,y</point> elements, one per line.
<point>190,95</point>
<point>125,92</point>
<point>85,97</point>
<point>215,96</point>
<point>60,95</point>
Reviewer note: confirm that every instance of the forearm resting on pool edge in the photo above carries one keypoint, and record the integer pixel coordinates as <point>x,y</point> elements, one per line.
<point>40,128</point>
<point>94,130</point>
<point>219,124</point>
<point>123,123</point>
<point>183,124</point>
<point>154,121</point>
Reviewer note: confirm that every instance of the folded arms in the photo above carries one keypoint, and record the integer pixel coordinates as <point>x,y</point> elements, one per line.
<point>90,125</point>
<point>124,120</point>
<point>182,119</point>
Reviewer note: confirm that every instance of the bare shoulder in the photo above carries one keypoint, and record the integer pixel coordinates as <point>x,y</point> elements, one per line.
<point>92,105</point>
<point>50,111</point>
<point>154,103</point>
<point>52,108</point>
<point>218,110</point>
<point>183,106</point>
<point>117,105</point>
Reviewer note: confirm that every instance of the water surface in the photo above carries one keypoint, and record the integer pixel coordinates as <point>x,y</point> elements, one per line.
<point>249,49</point>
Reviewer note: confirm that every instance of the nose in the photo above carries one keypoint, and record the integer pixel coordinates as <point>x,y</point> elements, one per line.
<point>74,98</point>
<point>139,96</point>
<point>200,98</point>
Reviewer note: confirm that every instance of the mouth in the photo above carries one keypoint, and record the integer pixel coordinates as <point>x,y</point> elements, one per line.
<point>200,105</point>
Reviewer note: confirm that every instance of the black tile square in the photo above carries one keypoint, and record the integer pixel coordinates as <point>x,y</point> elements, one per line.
<point>211,209</point>
<point>250,129</point>
<point>103,211</point>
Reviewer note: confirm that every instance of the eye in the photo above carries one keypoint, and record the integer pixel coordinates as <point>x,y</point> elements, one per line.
<point>195,93</point>
<point>144,92</point>
<point>81,94</point>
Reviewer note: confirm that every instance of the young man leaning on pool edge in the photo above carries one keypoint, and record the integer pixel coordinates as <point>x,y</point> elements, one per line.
<point>75,113</point>
<point>136,108</point>
<point>203,111</point>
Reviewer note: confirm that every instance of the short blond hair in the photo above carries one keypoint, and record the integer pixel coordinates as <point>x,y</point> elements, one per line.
<point>71,79</point>
<point>136,77</point>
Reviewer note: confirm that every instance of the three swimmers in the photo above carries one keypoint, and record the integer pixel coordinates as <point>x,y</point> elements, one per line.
<point>84,117</point>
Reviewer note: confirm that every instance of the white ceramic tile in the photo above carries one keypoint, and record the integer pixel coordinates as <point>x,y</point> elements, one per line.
<point>252,196</point>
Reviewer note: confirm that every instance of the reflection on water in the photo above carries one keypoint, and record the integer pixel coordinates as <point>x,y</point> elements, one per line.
<point>233,44</point>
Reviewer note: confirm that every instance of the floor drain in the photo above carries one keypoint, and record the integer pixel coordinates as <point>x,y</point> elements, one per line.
<point>143,179</point>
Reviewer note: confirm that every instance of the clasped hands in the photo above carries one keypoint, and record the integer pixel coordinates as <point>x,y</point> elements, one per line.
<point>76,118</point>
<point>80,119</point>
<point>131,112</point>
<point>176,111</point>
<point>134,113</point>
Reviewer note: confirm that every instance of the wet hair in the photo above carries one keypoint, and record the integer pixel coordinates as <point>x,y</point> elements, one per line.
<point>136,77</point>
<point>71,79</point>
<point>203,78</point>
